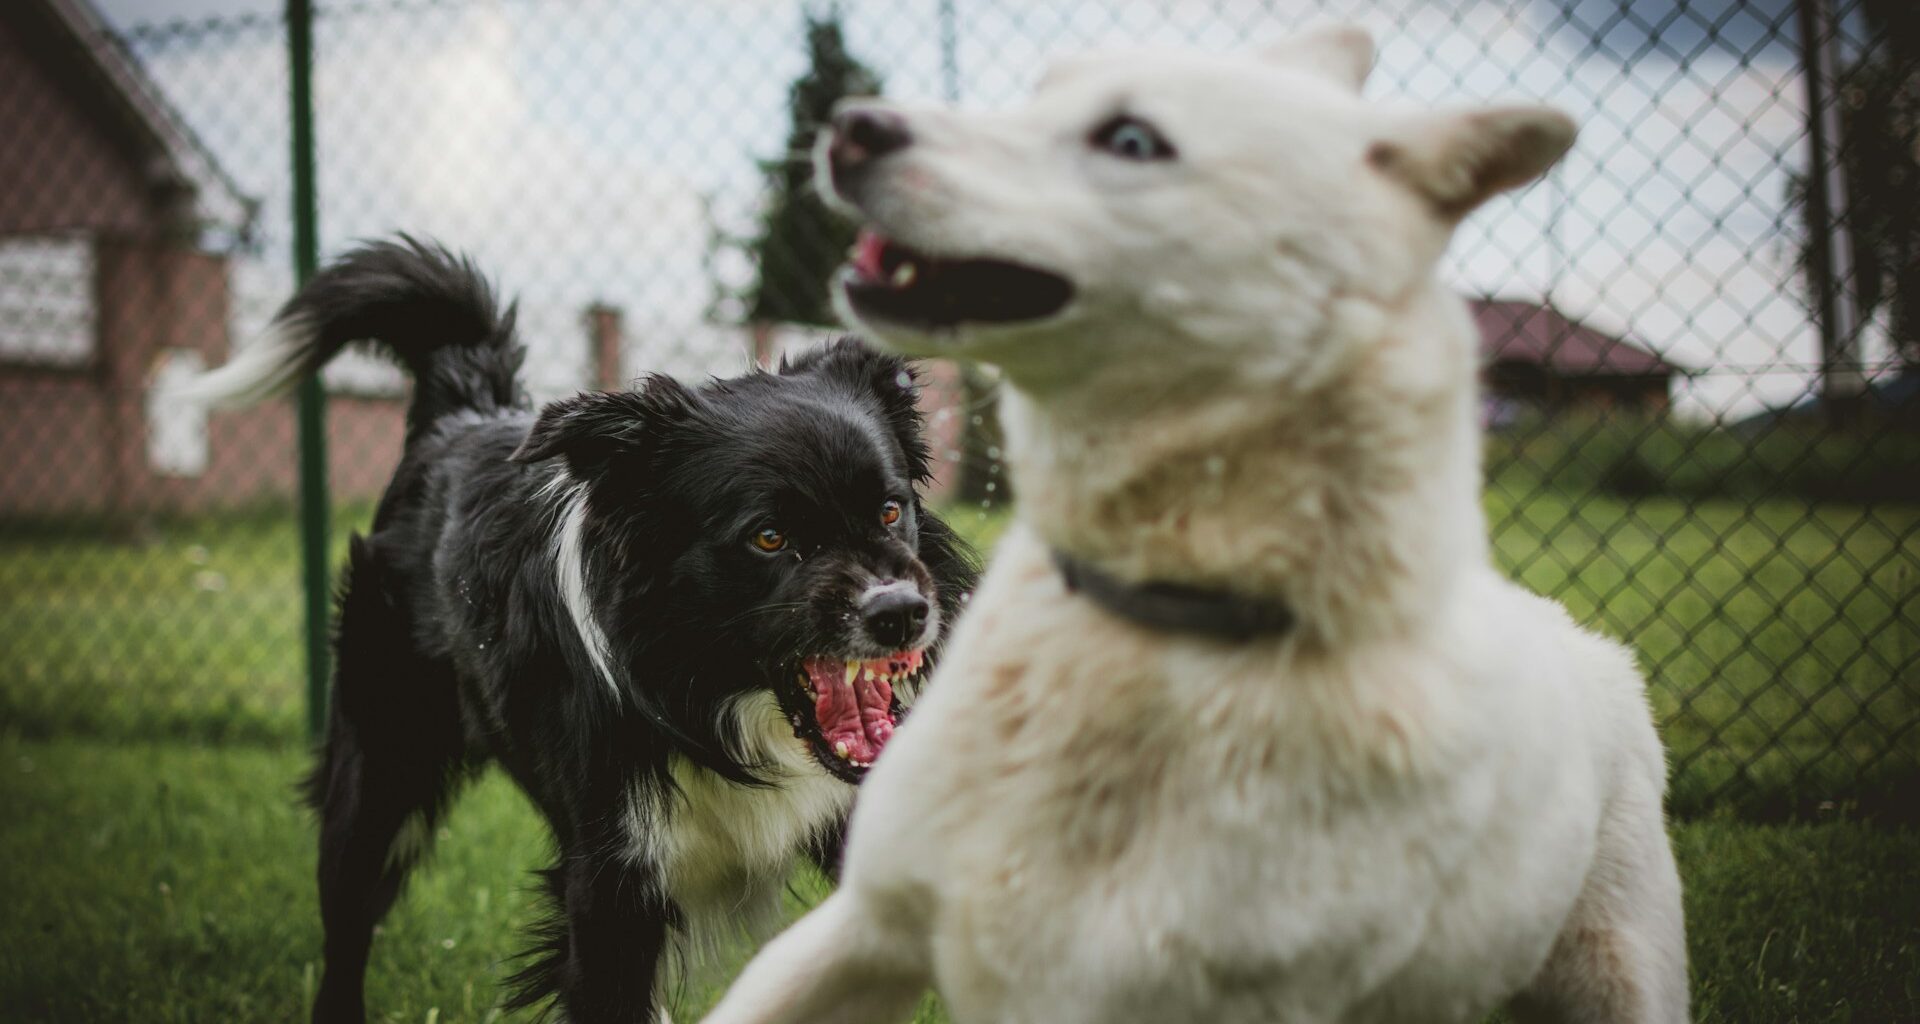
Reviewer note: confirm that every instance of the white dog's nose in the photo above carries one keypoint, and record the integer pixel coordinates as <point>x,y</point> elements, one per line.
<point>863,134</point>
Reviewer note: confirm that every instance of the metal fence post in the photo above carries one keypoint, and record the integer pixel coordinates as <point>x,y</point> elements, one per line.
<point>1831,245</point>
<point>311,399</point>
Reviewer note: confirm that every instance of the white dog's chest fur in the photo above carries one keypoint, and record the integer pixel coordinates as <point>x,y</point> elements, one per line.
<point>1222,839</point>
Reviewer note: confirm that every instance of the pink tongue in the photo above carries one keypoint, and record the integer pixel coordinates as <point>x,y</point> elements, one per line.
<point>867,250</point>
<point>856,716</point>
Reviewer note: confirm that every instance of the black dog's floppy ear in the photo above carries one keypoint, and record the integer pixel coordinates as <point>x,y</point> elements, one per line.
<point>593,427</point>
<point>880,375</point>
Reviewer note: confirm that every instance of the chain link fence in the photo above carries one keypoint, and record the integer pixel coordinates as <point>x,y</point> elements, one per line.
<point>1703,377</point>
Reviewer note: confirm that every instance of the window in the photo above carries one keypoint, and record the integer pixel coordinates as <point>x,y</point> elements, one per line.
<point>47,315</point>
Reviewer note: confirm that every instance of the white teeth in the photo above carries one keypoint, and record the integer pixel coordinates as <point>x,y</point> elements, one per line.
<point>869,675</point>
<point>904,274</point>
<point>853,672</point>
<point>840,748</point>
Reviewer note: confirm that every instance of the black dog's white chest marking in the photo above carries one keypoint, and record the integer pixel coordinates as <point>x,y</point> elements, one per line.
<point>723,851</point>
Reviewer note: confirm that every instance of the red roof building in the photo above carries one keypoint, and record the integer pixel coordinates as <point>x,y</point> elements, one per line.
<point>115,231</point>
<point>1532,354</point>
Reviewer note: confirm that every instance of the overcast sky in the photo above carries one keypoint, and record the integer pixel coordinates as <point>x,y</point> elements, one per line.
<point>130,12</point>
<point>588,150</point>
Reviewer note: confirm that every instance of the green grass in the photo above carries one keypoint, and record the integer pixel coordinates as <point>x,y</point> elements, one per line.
<point>1782,638</point>
<point>1634,456</point>
<point>172,882</point>
<point>159,876</point>
<point>188,629</point>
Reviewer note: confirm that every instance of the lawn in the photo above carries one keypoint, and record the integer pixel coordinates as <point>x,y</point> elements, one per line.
<point>1782,638</point>
<point>173,882</point>
<point>150,735</point>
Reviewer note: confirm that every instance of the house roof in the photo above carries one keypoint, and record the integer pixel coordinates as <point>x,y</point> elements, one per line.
<point>177,160</point>
<point>1528,332</point>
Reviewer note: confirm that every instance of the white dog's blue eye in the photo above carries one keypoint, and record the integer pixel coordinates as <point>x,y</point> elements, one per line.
<point>1130,138</point>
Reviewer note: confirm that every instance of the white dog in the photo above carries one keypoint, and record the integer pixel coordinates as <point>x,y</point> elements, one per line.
<point>1242,725</point>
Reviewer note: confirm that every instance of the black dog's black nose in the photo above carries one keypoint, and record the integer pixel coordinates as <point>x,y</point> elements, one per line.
<point>894,615</point>
<point>863,134</point>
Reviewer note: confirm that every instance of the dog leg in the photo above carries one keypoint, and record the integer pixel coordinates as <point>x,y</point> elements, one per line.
<point>385,776</point>
<point>377,821</point>
<point>607,943</point>
<point>1622,956</point>
<point>826,848</point>
<point>838,965</point>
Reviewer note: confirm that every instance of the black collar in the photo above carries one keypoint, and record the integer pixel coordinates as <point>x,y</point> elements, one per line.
<point>1177,607</point>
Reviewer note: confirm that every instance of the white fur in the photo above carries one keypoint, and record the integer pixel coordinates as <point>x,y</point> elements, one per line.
<point>725,851</point>
<point>1436,796</point>
<point>570,574</point>
<point>889,587</point>
<point>266,368</point>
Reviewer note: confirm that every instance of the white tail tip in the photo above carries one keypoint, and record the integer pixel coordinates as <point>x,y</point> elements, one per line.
<point>264,369</point>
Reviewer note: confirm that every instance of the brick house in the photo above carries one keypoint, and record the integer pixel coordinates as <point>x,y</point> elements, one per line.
<point>115,231</point>
<point>1534,356</point>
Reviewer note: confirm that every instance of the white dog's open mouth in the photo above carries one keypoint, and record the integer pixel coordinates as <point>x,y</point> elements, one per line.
<point>888,281</point>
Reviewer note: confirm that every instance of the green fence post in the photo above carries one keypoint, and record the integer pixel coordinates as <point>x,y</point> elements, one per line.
<point>311,399</point>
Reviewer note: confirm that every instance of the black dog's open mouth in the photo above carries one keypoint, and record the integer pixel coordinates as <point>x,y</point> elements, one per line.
<point>889,281</point>
<point>853,707</point>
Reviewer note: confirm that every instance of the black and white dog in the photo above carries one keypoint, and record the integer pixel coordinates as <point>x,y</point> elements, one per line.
<point>683,619</point>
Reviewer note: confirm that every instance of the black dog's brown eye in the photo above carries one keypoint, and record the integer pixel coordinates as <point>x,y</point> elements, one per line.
<point>769,539</point>
<point>890,513</point>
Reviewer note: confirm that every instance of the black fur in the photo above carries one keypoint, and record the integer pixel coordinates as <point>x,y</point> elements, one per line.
<point>455,648</point>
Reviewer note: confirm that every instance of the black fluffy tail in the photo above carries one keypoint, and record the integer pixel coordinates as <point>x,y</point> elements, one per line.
<point>428,308</point>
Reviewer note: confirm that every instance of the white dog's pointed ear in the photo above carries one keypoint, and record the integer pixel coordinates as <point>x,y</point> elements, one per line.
<point>1461,160</point>
<point>1342,53</point>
